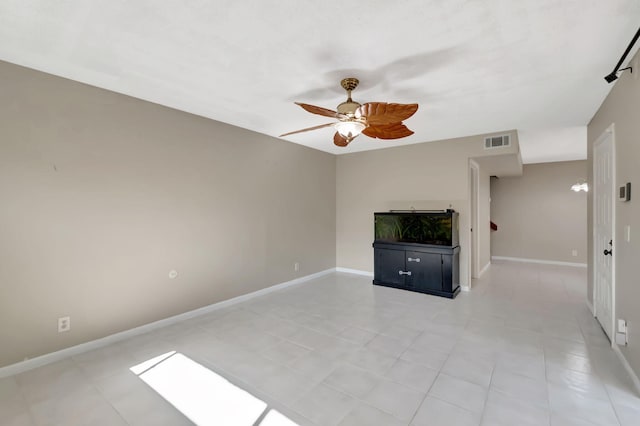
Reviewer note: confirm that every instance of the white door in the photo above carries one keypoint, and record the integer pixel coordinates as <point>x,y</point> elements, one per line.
<point>603,249</point>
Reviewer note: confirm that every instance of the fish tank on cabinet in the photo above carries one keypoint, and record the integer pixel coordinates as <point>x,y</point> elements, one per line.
<point>433,227</point>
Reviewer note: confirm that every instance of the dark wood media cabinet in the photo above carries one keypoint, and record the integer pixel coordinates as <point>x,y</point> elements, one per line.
<point>424,268</point>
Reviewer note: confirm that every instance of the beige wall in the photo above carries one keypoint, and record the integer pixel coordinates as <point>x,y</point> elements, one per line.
<point>433,175</point>
<point>537,214</point>
<point>102,195</point>
<point>621,108</point>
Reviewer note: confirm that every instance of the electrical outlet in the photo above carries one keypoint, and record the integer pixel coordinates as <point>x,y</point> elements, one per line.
<point>574,253</point>
<point>621,334</point>
<point>296,266</point>
<point>64,324</point>
<point>621,339</point>
<point>622,326</point>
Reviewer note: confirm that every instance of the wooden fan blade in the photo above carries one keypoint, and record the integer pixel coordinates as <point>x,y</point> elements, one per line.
<point>340,140</point>
<point>387,131</point>
<point>318,110</point>
<point>384,113</point>
<point>308,129</point>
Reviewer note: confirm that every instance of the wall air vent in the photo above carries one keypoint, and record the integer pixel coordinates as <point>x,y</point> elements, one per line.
<point>500,141</point>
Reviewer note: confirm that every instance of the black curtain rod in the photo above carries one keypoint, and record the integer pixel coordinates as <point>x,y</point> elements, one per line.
<point>613,76</point>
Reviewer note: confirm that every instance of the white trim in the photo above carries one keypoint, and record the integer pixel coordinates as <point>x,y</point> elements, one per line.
<point>465,288</point>
<point>484,269</point>
<point>545,262</point>
<point>49,358</point>
<point>625,364</point>
<point>590,306</point>
<point>354,271</point>
<point>474,213</point>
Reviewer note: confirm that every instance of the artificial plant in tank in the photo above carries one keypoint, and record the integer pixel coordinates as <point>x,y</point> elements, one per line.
<point>413,228</point>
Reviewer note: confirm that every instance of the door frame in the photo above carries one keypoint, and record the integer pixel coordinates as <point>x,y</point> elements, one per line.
<point>609,132</point>
<point>474,206</point>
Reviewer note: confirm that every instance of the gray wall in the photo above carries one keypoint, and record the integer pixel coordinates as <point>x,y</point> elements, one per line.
<point>537,214</point>
<point>102,195</point>
<point>621,108</point>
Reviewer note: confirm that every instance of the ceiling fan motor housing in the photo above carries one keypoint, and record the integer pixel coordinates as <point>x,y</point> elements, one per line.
<point>348,108</point>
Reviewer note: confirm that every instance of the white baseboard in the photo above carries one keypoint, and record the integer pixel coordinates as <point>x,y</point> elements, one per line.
<point>354,271</point>
<point>465,288</point>
<point>485,269</point>
<point>49,358</point>
<point>625,364</point>
<point>545,262</point>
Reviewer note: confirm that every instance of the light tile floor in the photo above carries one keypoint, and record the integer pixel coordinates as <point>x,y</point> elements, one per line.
<point>520,349</point>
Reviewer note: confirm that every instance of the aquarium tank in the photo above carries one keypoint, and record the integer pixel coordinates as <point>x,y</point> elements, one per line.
<point>423,227</point>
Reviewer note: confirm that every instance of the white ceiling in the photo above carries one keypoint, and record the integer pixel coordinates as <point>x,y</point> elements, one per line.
<point>474,66</point>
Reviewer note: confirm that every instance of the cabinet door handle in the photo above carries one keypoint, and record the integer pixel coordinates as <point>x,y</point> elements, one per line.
<point>404,273</point>
<point>411,259</point>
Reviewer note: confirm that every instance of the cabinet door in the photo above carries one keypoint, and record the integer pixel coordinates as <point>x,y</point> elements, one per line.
<point>388,264</point>
<point>426,270</point>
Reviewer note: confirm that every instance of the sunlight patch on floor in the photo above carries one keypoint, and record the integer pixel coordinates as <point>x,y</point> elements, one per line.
<point>276,418</point>
<point>204,397</point>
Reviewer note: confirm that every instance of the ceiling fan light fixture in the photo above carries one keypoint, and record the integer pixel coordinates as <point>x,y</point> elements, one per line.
<point>350,129</point>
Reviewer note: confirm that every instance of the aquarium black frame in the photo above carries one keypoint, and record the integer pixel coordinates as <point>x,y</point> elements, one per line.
<point>425,268</point>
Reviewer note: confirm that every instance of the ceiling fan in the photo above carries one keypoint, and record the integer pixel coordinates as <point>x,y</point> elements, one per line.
<point>379,120</point>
